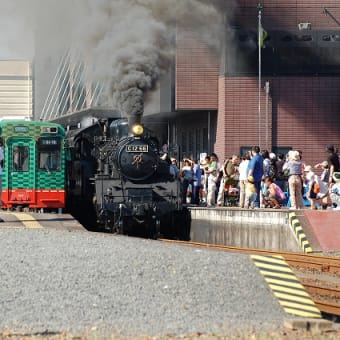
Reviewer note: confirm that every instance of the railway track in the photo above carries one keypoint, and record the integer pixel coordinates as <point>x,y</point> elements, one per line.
<point>325,292</point>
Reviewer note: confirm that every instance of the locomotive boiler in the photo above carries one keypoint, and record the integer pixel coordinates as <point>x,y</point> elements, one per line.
<point>117,173</point>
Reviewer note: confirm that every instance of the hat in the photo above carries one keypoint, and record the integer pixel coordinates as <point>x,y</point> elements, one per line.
<point>308,168</point>
<point>272,155</point>
<point>324,164</point>
<point>250,179</point>
<point>173,159</point>
<point>295,155</point>
<point>330,148</point>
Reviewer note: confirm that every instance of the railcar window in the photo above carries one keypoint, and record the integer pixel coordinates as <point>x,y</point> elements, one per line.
<point>20,158</point>
<point>49,153</point>
<point>49,160</point>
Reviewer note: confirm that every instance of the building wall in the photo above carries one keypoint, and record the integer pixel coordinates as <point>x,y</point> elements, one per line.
<point>15,89</point>
<point>303,109</point>
<point>289,13</point>
<point>238,118</point>
<point>197,71</point>
<point>304,115</point>
<point>307,114</point>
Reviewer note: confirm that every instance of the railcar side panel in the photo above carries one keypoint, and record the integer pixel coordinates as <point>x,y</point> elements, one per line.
<point>34,164</point>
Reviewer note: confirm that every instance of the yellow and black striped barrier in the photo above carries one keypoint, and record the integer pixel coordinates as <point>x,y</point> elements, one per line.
<point>286,286</point>
<point>300,235</point>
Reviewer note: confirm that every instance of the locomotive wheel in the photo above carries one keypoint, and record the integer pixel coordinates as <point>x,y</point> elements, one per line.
<point>157,233</point>
<point>120,229</point>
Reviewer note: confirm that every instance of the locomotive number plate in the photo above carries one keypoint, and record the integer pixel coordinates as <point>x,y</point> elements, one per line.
<point>137,148</point>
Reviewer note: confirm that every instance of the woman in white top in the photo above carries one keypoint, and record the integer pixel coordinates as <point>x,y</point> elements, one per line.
<point>243,174</point>
<point>317,190</point>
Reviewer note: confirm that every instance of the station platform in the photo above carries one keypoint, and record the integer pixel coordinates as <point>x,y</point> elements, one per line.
<point>11,219</point>
<point>308,231</point>
<point>322,229</point>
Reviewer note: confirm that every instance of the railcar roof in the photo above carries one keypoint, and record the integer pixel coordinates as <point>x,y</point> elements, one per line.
<point>25,122</point>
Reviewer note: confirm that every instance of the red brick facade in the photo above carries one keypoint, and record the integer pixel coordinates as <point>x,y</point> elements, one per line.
<point>304,114</point>
<point>238,118</point>
<point>196,74</point>
<point>303,111</point>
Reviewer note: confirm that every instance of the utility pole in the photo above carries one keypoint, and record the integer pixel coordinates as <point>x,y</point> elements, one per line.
<point>260,8</point>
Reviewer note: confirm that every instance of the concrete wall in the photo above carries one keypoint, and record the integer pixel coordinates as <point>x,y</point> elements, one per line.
<point>243,228</point>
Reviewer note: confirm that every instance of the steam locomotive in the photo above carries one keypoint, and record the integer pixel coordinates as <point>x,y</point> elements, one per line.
<point>118,181</point>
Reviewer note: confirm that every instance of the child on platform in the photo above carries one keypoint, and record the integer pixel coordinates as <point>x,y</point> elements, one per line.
<point>212,179</point>
<point>250,193</point>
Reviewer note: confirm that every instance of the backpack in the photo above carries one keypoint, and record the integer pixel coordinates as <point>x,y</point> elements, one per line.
<point>271,171</point>
<point>314,190</point>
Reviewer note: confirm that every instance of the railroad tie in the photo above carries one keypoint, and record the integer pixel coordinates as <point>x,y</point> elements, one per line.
<point>28,221</point>
<point>299,233</point>
<point>286,286</point>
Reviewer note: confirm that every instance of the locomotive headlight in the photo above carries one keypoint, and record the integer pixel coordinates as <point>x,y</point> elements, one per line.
<point>137,129</point>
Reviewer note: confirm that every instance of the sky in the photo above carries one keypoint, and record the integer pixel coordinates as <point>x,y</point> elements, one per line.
<point>16,37</point>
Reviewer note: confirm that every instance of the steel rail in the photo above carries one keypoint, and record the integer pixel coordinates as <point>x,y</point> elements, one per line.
<point>327,307</point>
<point>316,289</point>
<point>325,264</point>
<point>324,305</point>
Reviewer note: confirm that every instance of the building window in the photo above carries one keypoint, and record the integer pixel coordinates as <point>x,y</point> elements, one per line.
<point>282,149</point>
<point>304,37</point>
<point>244,150</point>
<point>331,37</point>
<point>287,38</point>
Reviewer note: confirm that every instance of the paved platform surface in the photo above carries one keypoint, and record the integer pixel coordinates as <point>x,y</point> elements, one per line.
<point>325,226</point>
<point>35,221</point>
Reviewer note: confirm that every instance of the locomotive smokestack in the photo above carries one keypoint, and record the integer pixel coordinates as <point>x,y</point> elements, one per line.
<point>135,118</point>
<point>132,103</point>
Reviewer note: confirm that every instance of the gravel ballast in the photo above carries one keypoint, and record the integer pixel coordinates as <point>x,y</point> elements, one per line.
<point>55,281</point>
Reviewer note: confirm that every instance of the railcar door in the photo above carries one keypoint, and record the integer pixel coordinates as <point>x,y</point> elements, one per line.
<point>21,171</point>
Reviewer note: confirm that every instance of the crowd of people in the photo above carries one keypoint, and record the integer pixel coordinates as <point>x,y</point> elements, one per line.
<point>261,179</point>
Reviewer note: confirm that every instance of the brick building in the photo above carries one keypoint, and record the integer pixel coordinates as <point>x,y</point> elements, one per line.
<point>217,98</point>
